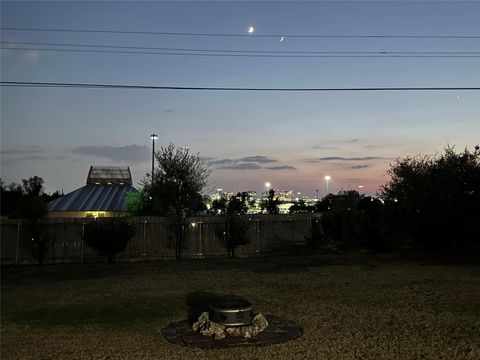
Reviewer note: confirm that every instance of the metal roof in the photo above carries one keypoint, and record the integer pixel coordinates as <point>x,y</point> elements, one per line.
<point>107,175</point>
<point>93,198</point>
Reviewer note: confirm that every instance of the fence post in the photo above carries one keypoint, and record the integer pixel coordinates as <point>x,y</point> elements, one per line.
<point>258,236</point>
<point>81,246</point>
<point>144,244</point>
<point>200,239</point>
<point>18,240</point>
<point>310,225</point>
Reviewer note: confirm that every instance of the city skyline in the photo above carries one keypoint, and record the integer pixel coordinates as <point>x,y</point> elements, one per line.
<point>290,139</point>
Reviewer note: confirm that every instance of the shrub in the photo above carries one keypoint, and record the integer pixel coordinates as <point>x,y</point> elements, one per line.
<point>109,236</point>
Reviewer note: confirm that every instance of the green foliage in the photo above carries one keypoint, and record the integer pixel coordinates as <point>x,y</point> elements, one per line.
<point>138,203</point>
<point>437,199</point>
<point>178,180</point>
<point>175,190</point>
<point>108,236</point>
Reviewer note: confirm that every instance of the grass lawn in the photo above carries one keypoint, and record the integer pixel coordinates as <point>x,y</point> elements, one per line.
<point>360,306</point>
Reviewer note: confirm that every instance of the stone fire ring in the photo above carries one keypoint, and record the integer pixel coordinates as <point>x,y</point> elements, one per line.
<point>278,330</point>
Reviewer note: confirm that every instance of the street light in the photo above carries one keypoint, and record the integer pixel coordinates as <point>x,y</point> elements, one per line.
<point>327,179</point>
<point>267,187</point>
<point>153,137</point>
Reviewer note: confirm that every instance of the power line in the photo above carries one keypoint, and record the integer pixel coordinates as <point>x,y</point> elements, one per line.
<point>333,55</point>
<point>239,51</point>
<point>190,88</point>
<point>164,33</point>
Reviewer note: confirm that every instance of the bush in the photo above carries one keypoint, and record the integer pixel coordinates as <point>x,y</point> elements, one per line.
<point>436,199</point>
<point>109,236</point>
<point>234,232</point>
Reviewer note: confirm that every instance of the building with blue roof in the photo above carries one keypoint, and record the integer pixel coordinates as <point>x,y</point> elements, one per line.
<point>104,195</point>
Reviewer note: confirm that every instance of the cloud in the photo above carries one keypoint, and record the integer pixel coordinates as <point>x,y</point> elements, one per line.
<point>23,151</point>
<point>257,158</point>
<point>284,167</point>
<point>339,158</point>
<point>129,153</point>
<point>255,162</point>
<point>29,153</point>
<point>359,166</point>
<point>323,147</point>
<point>9,160</point>
<point>242,166</point>
<point>222,162</point>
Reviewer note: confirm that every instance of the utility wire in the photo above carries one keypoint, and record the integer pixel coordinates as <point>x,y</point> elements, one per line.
<point>242,35</point>
<point>191,88</point>
<point>332,55</point>
<point>10,43</point>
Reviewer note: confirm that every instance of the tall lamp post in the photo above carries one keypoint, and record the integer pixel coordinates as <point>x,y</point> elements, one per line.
<point>153,137</point>
<point>327,179</point>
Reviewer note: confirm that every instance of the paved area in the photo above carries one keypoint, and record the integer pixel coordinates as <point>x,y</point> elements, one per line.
<point>278,330</point>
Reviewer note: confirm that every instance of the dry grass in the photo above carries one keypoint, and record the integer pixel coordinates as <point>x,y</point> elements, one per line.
<point>361,307</point>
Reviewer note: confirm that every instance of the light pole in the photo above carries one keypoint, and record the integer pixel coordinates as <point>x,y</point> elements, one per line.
<point>327,179</point>
<point>153,137</point>
<point>317,193</point>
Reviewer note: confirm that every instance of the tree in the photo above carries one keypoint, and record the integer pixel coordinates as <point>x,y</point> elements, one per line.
<point>26,200</point>
<point>236,229</point>
<point>109,236</point>
<point>436,198</point>
<point>270,204</point>
<point>236,226</point>
<point>238,204</point>
<point>219,206</point>
<point>29,203</point>
<point>178,179</point>
<point>301,207</point>
<point>138,203</point>
<point>342,220</point>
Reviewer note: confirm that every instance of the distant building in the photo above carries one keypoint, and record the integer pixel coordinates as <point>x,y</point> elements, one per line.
<point>103,196</point>
<point>284,195</point>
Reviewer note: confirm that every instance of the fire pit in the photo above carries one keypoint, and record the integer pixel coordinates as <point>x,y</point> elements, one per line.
<point>227,321</point>
<point>232,310</point>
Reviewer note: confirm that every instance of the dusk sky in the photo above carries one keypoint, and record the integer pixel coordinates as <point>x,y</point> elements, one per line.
<point>291,139</point>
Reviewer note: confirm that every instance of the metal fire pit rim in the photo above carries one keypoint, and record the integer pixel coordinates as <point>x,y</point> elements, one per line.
<point>230,305</point>
<point>231,310</point>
